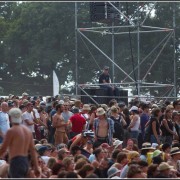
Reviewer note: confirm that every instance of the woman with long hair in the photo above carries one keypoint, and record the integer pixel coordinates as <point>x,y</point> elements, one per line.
<point>167,127</point>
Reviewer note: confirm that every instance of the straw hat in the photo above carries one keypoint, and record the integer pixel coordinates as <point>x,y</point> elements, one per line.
<point>164,166</point>
<point>100,111</point>
<point>147,145</point>
<point>86,107</point>
<point>175,150</point>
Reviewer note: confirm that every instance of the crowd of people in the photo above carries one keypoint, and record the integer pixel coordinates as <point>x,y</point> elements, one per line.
<point>60,137</point>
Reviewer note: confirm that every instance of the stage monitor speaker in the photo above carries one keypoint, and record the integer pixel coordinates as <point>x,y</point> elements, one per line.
<point>123,96</point>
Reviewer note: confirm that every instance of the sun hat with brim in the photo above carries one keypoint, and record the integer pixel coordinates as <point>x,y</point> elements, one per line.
<point>86,107</point>
<point>147,146</point>
<point>112,171</point>
<point>175,150</point>
<point>100,111</point>
<point>25,94</point>
<point>134,108</point>
<point>156,153</point>
<point>164,166</point>
<point>116,143</point>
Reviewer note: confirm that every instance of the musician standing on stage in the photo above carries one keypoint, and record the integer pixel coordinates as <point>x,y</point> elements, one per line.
<point>105,79</point>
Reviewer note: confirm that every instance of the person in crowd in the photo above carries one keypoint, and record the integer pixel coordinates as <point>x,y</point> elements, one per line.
<point>176,105</point>
<point>130,145</point>
<point>167,127</point>
<point>176,122</point>
<point>146,148</point>
<point>60,125</point>
<point>23,139</point>
<point>43,121</point>
<point>175,156</point>
<point>50,125</point>
<point>127,134</point>
<point>155,126</point>
<point>144,118</point>
<point>85,114</point>
<point>69,164</point>
<point>92,114</point>
<point>81,139</point>
<point>117,144</point>
<point>113,173</point>
<point>135,172</point>
<point>119,123</point>
<point>157,157</point>
<point>62,153</point>
<point>164,170</point>
<point>152,171</point>
<point>135,122</point>
<point>166,149</point>
<point>122,159</point>
<point>78,123</point>
<point>66,114</point>
<point>86,170</point>
<point>103,127</point>
<point>29,118</point>
<point>105,82</point>
<point>4,120</point>
<point>133,157</point>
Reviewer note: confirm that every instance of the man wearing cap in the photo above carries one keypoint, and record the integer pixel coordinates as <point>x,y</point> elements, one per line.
<point>19,142</point>
<point>103,127</point>
<point>29,118</point>
<point>105,79</point>
<point>4,120</point>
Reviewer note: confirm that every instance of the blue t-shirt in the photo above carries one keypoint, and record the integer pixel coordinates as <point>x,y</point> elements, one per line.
<point>144,119</point>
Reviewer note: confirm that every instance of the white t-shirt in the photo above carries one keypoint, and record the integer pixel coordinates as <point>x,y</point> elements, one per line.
<point>36,113</point>
<point>28,116</point>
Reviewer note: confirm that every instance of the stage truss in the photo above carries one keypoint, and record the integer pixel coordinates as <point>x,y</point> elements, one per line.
<point>139,83</point>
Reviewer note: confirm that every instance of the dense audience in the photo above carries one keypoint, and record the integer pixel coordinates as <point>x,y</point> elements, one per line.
<point>60,137</point>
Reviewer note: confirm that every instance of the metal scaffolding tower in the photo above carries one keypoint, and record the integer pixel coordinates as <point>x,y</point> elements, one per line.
<point>147,29</point>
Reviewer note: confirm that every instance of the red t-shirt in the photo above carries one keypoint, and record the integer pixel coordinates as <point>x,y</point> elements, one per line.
<point>78,123</point>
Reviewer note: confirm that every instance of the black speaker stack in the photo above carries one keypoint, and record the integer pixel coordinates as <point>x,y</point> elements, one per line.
<point>98,93</point>
<point>104,11</point>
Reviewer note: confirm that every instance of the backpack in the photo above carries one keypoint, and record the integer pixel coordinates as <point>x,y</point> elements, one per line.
<point>118,128</point>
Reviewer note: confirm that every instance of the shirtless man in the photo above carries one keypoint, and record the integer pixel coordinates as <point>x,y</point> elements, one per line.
<point>19,142</point>
<point>103,127</point>
<point>60,125</point>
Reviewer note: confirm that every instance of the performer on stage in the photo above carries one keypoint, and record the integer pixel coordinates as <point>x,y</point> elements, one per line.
<point>105,79</point>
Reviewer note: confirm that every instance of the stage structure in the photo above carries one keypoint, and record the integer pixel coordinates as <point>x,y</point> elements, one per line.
<point>110,11</point>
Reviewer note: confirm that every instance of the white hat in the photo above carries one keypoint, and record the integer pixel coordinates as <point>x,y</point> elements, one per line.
<point>116,143</point>
<point>155,145</point>
<point>61,102</point>
<point>100,111</point>
<point>15,114</point>
<point>25,94</point>
<point>134,108</point>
